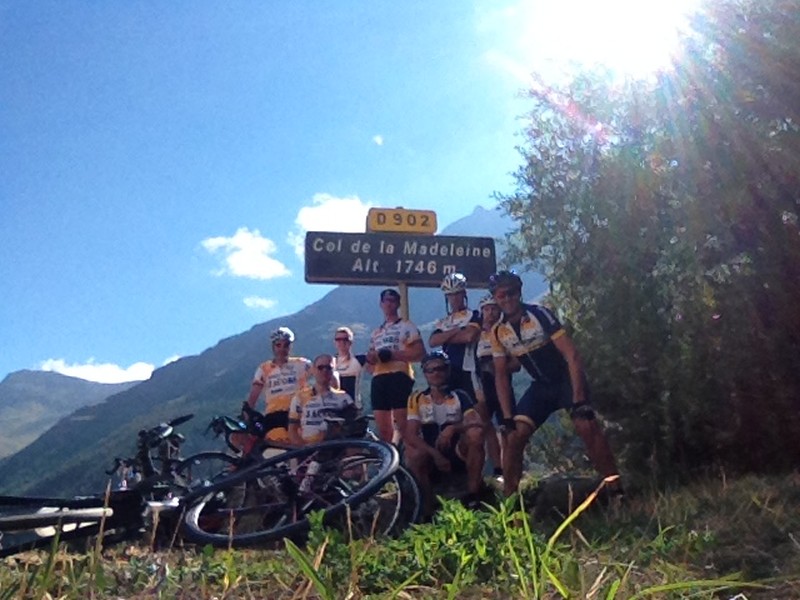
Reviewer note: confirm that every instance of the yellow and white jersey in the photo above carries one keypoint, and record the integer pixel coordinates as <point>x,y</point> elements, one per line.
<point>307,409</point>
<point>434,416</point>
<point>398,335</point>
<point>281,383</point>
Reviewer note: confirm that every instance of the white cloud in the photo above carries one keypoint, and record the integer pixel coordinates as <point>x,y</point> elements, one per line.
<point>99,372</point>
<point>171,359</point>
<point>329,213</point>
<point>260,303</point>
<point>378,139</point>
<point>246,254</point>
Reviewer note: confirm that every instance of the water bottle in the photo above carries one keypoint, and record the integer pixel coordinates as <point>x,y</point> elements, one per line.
<point>311,472</point>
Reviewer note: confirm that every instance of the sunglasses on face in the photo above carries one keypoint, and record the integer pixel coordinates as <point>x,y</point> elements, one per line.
<point>344,339</point>
<point>324,368</point>
<point>509,293</point>
<point>280,344</point>
<point>439,369</point>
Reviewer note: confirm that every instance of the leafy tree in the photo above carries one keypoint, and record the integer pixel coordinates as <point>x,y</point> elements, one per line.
<point>665,214</point>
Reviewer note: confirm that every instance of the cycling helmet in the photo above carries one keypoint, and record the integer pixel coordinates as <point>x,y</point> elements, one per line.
<point>436,355</point>
<point>454,283</point>
<point>487,300</point>
<point>504,279</point>
<point>282,334</point>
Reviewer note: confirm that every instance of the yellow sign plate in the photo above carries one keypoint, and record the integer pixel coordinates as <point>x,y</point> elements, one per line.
<point>401,220</point>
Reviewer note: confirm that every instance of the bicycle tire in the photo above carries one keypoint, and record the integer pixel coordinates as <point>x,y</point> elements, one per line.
<point>388,512</point>
<point>266,502</point>
<point>203,469</point>
<point>26,521</point>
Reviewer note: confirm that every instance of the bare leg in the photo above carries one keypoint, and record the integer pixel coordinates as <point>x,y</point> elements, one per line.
<point>492,443</point>
<point>516,441</point>
<point>596,445</point>
<point>471,446</point>
<point>383,421</point>
<point>399,415</point>
<point>419,463</point>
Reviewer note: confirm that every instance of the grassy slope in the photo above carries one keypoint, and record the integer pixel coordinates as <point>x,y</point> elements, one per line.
<point>745,529</point>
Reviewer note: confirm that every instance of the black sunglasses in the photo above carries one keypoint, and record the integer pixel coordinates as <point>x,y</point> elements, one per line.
<point>439,369</point>
<point>341,339</point>
<point>324,368</point>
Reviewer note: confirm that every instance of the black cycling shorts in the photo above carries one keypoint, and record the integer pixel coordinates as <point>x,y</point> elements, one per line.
<point>490,394</point>
<point>541,400</point>
<point>390,391</point>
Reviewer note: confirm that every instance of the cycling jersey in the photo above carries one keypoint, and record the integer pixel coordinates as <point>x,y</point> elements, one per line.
<point>308,410</point>
<point>531,343</point>
<point>483,352</point>
<point>349,369</point>
<point>280,383</point>
<point>434,417</point>
<point>398,335</point>
<point>461,355</point>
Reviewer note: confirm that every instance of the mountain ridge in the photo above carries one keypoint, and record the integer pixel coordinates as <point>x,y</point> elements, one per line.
<point>69,457</point>
<point>32,401</point>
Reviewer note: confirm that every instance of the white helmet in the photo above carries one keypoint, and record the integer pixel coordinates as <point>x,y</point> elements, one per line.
<point>282,334</point>
<point>453,283</point>
<point>487,300</point>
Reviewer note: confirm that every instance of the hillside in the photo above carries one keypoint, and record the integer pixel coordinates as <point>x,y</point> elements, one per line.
<point>33,401</point>
<point>71,457</point>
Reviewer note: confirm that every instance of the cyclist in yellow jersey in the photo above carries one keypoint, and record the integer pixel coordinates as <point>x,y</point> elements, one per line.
<point>444,433</point>
<point>485,392</point>
<point>279,379</point>
<point>393,347</point>
<point>310,406</point>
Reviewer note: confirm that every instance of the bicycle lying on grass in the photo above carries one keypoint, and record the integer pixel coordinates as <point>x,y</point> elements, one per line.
<point>274,499</point>
<point>149,483</point>
<point>222,499</point>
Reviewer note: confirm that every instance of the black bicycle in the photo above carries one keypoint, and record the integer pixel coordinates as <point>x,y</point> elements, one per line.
<point>355,483</point>
<point>146,486</point>
<point>391,510</point>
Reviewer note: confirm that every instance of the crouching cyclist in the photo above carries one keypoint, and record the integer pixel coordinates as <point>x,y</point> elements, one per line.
<point>443,433</point>
<point>311,406</point>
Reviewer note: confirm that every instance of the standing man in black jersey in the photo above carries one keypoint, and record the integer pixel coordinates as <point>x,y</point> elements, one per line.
<point>457,334</point>
<point>534,336</point>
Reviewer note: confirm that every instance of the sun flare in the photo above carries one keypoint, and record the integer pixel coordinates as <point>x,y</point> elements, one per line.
<point>629,37</point>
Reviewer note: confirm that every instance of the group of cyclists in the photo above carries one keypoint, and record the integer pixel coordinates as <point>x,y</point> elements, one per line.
<point>466,411</point>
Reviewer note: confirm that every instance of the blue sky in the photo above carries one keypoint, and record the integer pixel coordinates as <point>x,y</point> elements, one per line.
<point>159,161</point>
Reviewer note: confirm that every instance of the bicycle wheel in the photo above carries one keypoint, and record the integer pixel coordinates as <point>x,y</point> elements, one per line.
<point>390,510</point>
<point>203,469</point>
<point>53,517</point>
<point>33,522</point>
<point>273,499</point>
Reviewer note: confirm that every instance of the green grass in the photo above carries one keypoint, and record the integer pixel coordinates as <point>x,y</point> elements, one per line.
<point>712,539</point>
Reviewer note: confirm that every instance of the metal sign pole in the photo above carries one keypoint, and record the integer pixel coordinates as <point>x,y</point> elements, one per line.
<point>405,309</point>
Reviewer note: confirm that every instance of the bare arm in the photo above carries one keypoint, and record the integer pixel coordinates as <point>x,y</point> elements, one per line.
<point>503,385</point>
<point>462,335</point>
<point>255,392</point>
<point>570,353</point>
<point>412,353</point>
<point>412,438</point>
<point>295,439</point>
